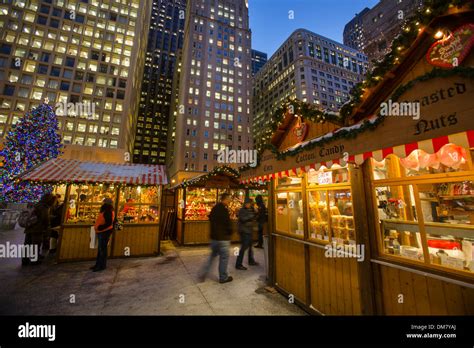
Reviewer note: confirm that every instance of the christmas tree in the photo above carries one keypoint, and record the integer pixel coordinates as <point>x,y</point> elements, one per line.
<point>33,140</point>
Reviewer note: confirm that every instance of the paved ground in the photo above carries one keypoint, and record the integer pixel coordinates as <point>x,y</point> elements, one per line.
<point>164,285</point>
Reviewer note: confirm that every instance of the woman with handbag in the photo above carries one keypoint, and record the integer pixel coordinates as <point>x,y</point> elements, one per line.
<point>104,227</point>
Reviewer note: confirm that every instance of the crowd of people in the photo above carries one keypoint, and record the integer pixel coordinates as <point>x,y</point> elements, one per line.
<point>221,232</point>
<point>42,232</point>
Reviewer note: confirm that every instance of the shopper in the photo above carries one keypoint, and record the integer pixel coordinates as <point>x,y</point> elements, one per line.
<point>246,219</point>
<point>35,234</point>
<point>262,219</point>
<point>104,227</point>
<point>221,231</point>
<point>56,215</point>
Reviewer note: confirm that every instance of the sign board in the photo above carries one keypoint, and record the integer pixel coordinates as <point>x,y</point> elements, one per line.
<point>451,51</point>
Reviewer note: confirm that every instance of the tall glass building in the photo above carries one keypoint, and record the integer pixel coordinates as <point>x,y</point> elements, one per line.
<point>165,38</point>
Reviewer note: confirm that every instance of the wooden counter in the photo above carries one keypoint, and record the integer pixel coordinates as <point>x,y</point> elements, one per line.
<point>136,240</point>
<point>132,240</point>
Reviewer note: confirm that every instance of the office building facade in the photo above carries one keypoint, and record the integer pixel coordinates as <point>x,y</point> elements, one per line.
<point>212,109</point>
<point>165,38</point>
<point>258,61</point>
<point>85,55</point>
<point>310,68</point>
<point>373,30</point>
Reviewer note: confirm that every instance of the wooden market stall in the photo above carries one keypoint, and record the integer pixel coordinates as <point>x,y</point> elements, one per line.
<point>196,197</point>
<point>377,217</point>
<point>135,190</point>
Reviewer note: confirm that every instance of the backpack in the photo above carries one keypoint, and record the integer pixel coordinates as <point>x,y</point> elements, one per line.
<point>27,218</point>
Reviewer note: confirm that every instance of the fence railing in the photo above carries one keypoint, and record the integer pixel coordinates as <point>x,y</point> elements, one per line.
<point>8,219</point>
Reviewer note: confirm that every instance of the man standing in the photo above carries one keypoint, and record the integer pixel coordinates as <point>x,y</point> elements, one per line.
<point>245,222</point>
<point>262,219</point>
<point>221,231</point>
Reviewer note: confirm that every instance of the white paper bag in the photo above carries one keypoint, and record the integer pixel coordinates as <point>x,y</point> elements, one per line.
<point>93,239</point>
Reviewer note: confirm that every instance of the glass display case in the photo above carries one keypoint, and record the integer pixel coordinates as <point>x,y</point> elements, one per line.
<point>85,202</point>
<point>289,213</point>
<point>139,204</point>
<point>136,204</point>
<point>430,220</point>
<point>330,216</point>
<point>198,203</point>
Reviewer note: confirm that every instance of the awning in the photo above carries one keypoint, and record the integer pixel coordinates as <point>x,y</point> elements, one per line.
<point>72,171</point>
<point>463,139</point>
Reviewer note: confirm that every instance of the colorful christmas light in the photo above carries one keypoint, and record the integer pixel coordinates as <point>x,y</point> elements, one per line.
<point>32,141</point>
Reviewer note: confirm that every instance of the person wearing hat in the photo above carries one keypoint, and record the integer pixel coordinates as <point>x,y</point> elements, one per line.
<point>246,218</point>
<point>104,227</point>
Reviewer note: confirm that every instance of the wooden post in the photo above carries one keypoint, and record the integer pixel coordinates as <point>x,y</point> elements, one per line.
<point>161,215</point>
<point>270,230</point>
<point>117,200</point>
<point>364,268</point>
<point>63,218</point>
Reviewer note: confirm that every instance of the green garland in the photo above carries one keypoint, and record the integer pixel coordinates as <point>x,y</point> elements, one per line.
<point>305,110</point>
<point>463,71</point>
<point>233,173</point>
<point>430,10</point>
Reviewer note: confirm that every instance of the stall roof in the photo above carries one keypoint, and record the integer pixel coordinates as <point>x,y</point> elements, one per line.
<point>73,171</point>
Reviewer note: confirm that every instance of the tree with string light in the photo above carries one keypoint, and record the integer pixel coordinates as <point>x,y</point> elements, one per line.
<point>33,140</point>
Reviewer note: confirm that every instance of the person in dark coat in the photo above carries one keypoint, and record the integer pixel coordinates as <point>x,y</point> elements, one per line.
<point>56,215</point>
<point>262,219</point>
<point>34,235</point>
<point>104,227</point>
<point>246,220</point>
<point>221,231</point>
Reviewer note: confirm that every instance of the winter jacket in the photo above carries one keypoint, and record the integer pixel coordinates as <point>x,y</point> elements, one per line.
<point>56,215</point>
<point>246,218</point>
<point>221,228</point>
<point>41,210</point>
<point>105,220</point>
<point>262,216</point>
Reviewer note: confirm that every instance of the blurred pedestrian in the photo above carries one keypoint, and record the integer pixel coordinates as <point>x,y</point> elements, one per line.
<point>221,231</point>
<point>104,227</point>
<point>262,219</point>
<point>245,220</point>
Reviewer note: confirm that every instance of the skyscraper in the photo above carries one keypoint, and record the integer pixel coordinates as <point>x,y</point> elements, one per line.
<point>88,54</point>
<point>258,61</point>
<point>165,37</point>
<point>212,110</point>
<point>373,30</point>
<point>309,67</point>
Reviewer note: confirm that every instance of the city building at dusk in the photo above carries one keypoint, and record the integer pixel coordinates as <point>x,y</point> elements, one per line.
<point>372,30</point>
<point>165,38</point>
<point>88,54</point>
<point>309,67</point>
<point>213,109</point>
